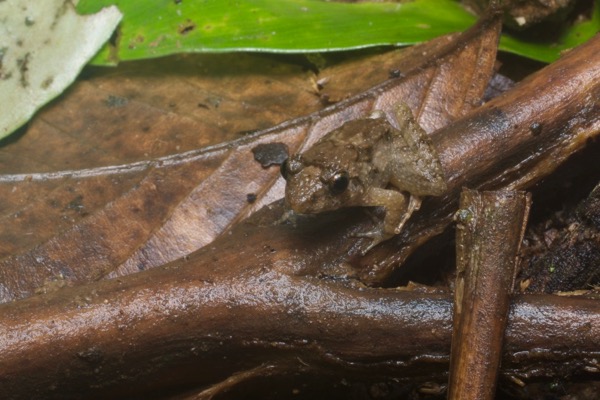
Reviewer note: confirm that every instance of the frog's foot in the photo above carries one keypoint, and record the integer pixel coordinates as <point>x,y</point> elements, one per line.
<point>288,217</point>
<point>377,236</point>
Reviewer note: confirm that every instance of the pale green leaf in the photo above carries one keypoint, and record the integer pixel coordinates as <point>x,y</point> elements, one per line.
<point>43,46</point>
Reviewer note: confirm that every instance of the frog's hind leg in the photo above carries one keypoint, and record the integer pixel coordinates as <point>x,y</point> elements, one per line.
<point>397,212</point>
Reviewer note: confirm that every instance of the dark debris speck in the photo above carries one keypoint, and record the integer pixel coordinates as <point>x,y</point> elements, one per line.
<point>268,154</point>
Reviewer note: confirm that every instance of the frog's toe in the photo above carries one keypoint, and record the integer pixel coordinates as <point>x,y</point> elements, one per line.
<point>374,234</point>
<point>373,243</point>
<point>398,228</point>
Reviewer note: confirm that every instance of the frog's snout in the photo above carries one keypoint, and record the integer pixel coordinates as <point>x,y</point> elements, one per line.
<point>304,191</point>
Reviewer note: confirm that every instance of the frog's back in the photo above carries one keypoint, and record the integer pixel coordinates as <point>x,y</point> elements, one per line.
<point>352,142</point>
<point>360,133</point>
<point>413,162</point>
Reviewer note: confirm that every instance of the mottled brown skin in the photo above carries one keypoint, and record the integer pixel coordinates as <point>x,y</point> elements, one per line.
<point>367,162</point>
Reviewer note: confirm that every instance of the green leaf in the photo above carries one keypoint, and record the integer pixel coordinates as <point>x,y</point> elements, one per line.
<point>571,36</point>
<point>153,28</point>
<point>43,46</point>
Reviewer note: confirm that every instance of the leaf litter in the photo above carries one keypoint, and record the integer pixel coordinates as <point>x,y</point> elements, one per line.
<point>170,202</point>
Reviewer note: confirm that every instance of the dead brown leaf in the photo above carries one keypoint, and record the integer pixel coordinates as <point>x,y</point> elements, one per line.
<point>107,221</point>
<point>146,110</point>
<point>136,113</point>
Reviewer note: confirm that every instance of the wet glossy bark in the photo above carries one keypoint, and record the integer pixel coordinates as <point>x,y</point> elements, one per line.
<point>201,321</point>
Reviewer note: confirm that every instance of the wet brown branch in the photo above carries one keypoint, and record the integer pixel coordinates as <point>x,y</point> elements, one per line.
<point>490,230</point>
<point>200,321</point>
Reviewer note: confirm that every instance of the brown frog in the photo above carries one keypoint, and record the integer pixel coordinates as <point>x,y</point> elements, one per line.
<point>367,162</point>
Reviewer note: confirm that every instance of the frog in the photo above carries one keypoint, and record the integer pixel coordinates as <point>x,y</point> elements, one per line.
<point>367,162</point>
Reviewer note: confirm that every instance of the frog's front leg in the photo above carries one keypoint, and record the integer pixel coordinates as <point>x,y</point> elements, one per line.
<point>414,203</point>
<point>397,212</point>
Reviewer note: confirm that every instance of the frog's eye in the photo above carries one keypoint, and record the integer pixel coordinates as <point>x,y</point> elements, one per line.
<point>338,182</point>
<point>291,166</point>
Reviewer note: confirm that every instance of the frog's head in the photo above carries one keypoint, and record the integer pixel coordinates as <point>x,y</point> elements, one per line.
<point>312,188</point>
